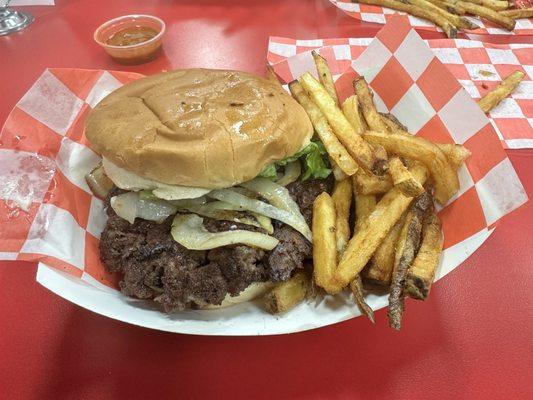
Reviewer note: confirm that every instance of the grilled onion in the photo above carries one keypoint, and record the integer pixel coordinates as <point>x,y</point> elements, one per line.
<point>260,207</point>
<point>130,206</point>
<point>127,180</point>
<point>292,172</point>
<point>98,182</point>
<point>189,231</point>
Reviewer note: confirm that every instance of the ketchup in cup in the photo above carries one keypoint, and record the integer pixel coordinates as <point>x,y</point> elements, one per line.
<point>131,39</point>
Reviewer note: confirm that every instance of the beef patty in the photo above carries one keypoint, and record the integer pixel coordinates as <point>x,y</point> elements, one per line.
<point>154,266</point>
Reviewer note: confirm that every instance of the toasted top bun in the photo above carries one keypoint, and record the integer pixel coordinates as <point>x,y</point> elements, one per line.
<point>198,127</point>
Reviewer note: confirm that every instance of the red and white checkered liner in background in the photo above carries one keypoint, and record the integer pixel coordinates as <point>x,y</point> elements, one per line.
<point>478,66</point>
<point>382,15</point>
<point>48,214</point>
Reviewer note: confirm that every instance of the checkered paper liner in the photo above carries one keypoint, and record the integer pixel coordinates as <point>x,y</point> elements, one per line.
<point>479,67</point>
<point>44,156</point>
<point>382,15</point>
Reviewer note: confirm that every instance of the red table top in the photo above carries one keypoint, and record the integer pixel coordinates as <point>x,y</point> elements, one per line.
<point>470,339</point>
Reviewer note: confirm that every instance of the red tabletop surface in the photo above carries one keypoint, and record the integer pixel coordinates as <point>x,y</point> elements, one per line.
<point>472,339</point>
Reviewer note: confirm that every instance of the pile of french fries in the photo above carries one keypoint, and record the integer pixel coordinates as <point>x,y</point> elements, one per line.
<point>449,14</point>
<point>390,179</point>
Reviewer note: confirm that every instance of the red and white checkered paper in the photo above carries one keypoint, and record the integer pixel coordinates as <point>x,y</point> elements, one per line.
<point>479,67</point>
<point>382,15</point>
<point>44,156</point>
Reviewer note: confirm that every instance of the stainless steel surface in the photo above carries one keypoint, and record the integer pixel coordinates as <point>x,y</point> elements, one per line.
<point>11,20</point>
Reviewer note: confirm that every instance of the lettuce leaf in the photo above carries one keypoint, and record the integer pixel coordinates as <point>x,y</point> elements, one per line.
<point>314,159</point>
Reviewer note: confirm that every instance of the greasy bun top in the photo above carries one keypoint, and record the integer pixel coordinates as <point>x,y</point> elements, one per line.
<point>198,127</point>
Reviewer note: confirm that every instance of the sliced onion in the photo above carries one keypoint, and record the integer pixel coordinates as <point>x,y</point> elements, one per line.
<point>130,206</point>
<point>189,231</point>
<point>125,205</point>
<point>127,180</point>
<point>155,210</point>
<point>179,192</point>
<point>275,194</point>
<point>221,214</point>
<point>98,182</point>
<point>265,222</point>
<point>260,207</point>
<point>292,172</point>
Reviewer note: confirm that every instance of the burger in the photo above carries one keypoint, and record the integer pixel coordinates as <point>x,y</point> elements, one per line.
<point>209,178</point>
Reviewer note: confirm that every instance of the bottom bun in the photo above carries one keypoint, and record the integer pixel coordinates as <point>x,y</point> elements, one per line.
<point>253,291</point>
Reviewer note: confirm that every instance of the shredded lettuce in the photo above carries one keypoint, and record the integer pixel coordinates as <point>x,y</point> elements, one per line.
<point>314,159</point>
<point>269,172</point>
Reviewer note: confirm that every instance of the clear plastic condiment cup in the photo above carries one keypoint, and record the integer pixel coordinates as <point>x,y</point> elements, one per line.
<point>135,53</point>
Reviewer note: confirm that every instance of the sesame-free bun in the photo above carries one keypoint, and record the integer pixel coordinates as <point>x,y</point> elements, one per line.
<point>198,127</point>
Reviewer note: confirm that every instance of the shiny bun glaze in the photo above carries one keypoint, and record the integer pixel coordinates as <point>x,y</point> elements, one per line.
<point>198,127</point>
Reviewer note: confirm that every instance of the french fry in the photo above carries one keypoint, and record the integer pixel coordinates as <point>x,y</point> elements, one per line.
<point>324,76</point>
<point>455,153</point>
<point>364,205</point>
<point>365,97</point>
<point>358,295</point>
<point>371,184</point>
<point>271,75</point>
<point>393,124</point>
<point>338,173</point>
<point>360,151</point>
<point>422,271</point>
<point>402,178</point>
<point>342,200</point>
<point>461,23</point>
<point>286,295</point>
<point>518,13</point>
<point>489,14</point>
<point>497,5</point>
<point>379,269</point>
<point>372,232</point>
<point>449,5</point>
<point>351,110</point>
<point>335,149</point>
<point>504,89</point>
<point>446,26</point>
<point>324,243</point>
<point>446,180</point>
<point>406,248</point>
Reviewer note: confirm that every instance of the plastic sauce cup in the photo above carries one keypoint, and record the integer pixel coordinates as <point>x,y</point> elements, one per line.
<point>135,53</point>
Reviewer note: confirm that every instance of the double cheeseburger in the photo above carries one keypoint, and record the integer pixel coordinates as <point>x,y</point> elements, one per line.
<point>208,177</point>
